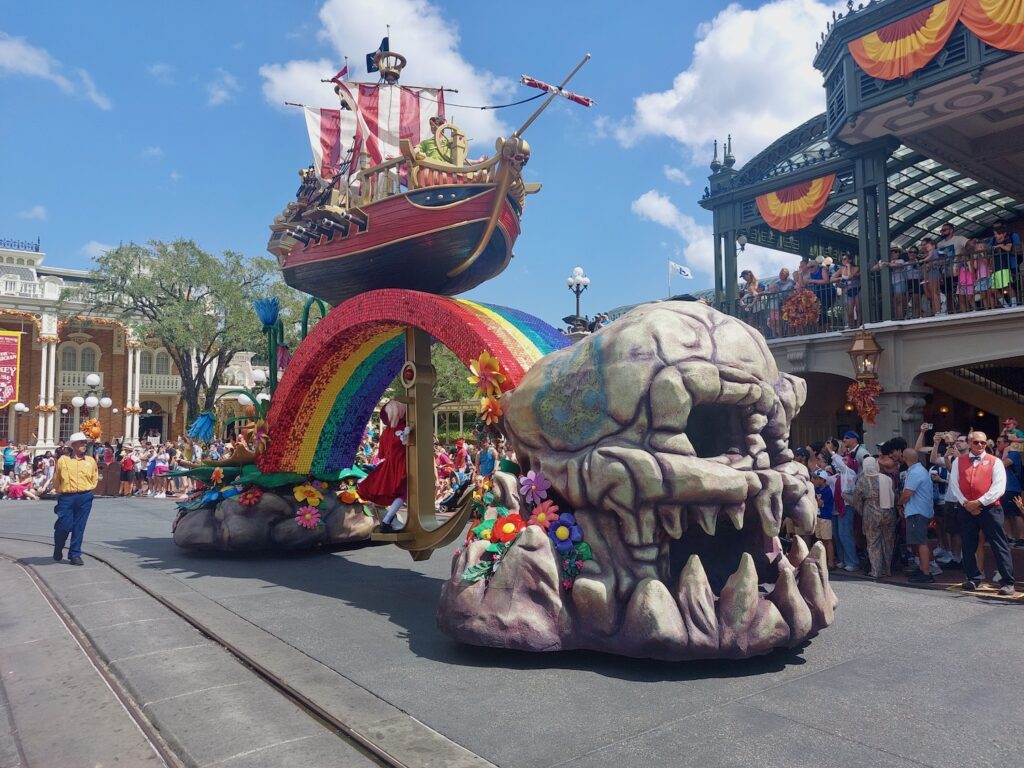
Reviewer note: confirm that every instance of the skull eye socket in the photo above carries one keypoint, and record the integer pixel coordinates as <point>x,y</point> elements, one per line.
<point>713,429</point>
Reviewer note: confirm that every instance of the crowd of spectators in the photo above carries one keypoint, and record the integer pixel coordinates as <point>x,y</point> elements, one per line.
<point>922,508</point>
<point>940,275</point>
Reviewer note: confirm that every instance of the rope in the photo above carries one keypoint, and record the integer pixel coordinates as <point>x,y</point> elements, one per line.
<point>495,106</point>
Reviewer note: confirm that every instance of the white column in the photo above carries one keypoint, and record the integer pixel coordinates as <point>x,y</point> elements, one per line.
<point>43,379</point>
<point>51,387</point>
<point>138,389</point>
<point>128,393</point>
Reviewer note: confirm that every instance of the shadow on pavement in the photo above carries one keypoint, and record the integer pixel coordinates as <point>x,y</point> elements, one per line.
<point>408,599</point>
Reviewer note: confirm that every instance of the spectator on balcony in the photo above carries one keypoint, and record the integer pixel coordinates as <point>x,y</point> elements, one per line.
<point>819,281</point>
<point>983,274</point>
<point>895,271</point>
<point>948,247</point>
<point>914,280</point>
<point>963,265</point>
<point>847,280</point>
<point>1005,247</point>
<point>931,273</point>
<point>781,290</point>
<point>750,289</point>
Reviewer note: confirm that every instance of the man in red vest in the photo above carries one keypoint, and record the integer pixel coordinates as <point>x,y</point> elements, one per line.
<point>978,481</point>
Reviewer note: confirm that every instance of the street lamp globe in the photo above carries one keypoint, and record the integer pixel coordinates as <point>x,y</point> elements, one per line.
<point>113,410</point>
<point>244,399</point>
<point>78,401</point>
<point>263,397</point>
<point>92,401</point>
<point>149,411</point>
<point>92,380</point>
<point>570,282</point>
<point>577,272</point>
<point>258,376</point>
<point>106,402</point>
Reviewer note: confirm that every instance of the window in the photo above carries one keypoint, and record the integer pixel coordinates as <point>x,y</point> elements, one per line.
<point>69,358</point>
<point>87,359</point>
<point>67,421</point>
<point>146,363</point>
<point>5,419</point>
<point>163,363</point>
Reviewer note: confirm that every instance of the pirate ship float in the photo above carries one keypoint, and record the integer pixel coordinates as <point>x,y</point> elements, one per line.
<point>403,207</point>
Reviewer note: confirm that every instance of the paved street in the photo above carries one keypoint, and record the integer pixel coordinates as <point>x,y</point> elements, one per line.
<point>904,678</point>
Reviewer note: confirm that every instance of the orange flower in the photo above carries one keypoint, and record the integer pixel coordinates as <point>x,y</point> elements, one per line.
<point>217,476</point>
<point>490,410</point>
<point>349,496</point>
<point>308,494</point>
<point>507,528</point>
<point>487,375</point>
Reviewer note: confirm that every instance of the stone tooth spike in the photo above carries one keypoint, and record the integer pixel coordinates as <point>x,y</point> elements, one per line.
<point>697,606</point>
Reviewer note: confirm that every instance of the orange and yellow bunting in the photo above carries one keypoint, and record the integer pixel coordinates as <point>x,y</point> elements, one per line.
<point>794,207</point>
<point>999,23</point>
<point>901,48</point>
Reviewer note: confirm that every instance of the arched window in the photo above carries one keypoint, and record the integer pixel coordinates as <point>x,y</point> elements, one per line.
<point>146,362</point>
<point>163,363</point>
<point>69,358</point>
<point>87,359</point>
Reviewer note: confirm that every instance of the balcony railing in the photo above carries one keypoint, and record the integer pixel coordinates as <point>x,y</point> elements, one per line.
<point>21,289</point>
<point>159,384</point>
<point>938,287</point>
<point>76,380</point>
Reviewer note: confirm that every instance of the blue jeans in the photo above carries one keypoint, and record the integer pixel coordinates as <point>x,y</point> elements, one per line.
<point>844,535</point>
<point>72,514</point>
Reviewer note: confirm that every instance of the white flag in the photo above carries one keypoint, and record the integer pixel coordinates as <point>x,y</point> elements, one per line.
<point>680,270</point>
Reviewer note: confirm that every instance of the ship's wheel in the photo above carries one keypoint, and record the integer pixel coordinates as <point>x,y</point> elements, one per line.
<point>451,143</point>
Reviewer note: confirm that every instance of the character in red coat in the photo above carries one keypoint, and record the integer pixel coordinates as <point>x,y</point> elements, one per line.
<point>387,485</point>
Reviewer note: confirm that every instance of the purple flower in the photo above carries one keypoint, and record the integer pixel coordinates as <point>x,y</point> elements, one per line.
<point>534,487</point>
<point>565,533</point>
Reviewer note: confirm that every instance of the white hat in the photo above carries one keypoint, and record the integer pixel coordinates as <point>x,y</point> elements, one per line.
<point>78,437</point>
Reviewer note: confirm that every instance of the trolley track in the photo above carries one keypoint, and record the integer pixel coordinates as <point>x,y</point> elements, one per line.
<point>372,751</point>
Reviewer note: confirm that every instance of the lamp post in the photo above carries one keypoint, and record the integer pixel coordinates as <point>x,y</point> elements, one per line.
<point>864,352</point>
<point>578,283</point>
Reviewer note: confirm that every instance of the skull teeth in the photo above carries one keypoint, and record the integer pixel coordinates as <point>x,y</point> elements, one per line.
<point>706,516</point>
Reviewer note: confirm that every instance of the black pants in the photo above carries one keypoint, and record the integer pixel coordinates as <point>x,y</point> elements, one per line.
<point>989,520</point>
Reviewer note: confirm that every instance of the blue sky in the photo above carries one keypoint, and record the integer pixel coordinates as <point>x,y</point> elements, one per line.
<point>138,121</point>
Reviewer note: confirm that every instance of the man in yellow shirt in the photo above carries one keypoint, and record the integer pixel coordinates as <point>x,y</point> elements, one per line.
<point>74,479</point>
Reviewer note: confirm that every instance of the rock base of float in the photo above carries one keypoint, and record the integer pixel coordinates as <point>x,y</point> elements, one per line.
<point>523,606</point>
<point>270,525</point>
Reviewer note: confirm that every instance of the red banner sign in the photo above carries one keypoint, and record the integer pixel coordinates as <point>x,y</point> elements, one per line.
<point>10,360</point>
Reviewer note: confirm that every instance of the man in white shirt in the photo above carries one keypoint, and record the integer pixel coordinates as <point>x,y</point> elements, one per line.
<point>978,481</point>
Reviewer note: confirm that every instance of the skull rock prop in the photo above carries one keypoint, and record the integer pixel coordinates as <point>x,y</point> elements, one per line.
<point>666,434</point>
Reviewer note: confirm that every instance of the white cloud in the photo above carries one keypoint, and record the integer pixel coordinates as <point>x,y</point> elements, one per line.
<point>19,57</point>
<point>94,249</point>
<point>698,249</point>
<point>162,73</point>
<point>36,212</point>
<point>677,175</point>
<point>424,34</point>
<point>222,88</point>
<point>750,75</point>
<point>151,151</point>
<point>175,176</point>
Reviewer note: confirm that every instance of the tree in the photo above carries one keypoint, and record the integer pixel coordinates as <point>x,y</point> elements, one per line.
<point>452,382</point>
<point>199,306</point>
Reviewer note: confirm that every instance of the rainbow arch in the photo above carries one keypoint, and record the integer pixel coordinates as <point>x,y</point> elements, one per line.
<point>339,372</point>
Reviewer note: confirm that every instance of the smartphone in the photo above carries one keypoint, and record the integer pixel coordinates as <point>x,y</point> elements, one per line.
<point>928,426</point>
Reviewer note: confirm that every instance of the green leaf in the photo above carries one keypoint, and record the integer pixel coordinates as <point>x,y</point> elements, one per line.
<point>477,572</point>
<point>496,547</point>
<point>367,511</point>
<point>583,551</point>
<point>488,498</point>
<point>502,510</point>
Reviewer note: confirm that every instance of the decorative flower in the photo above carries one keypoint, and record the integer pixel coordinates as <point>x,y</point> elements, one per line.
<point>320,485</point>
<point>534,486</point>
<point>800,309</point>
<point>862,395</point>
<point>259,436</point>
<point>490,410</point>
<point>507,528</point>
<point>307,516</point>
<point>267,310</point>
<point>483,530</point>
<point>308,494</point>
<point>202,427</point>
<point>565,533</point>
<point>487,375</point>
<point>250,497</point>
<point>544,514</point>
<point>91,428</point>
<point>483,486</point>
<point>217,476</point>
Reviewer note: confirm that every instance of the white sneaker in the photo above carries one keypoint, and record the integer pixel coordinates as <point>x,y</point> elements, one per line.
<point>150,493</point>
<point>850,568</point>
<point>939,552</point>
<point>945,558</point>
<point>933,568</point>
<point>161,495</point>
<point>997,578</point>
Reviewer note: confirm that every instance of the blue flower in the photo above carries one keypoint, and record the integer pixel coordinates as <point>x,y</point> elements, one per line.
<point>565,533</point>
<point>202,427</point>
<point>267,310</point>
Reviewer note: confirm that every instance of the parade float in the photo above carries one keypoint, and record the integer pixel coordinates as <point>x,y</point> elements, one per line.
<point>643,517</point>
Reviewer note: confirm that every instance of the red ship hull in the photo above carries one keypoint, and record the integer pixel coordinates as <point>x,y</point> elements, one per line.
<point>413,241</point>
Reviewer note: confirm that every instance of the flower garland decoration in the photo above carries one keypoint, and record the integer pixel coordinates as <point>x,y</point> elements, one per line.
<point>800,309</point>
<point>46,408</point>
<point>91,428</point>
<point>307,516</point>
<point>862,395</point>
<point>308,494</point>
<point>486,375</point>
<point>250,497</point>
<point>503,530</point>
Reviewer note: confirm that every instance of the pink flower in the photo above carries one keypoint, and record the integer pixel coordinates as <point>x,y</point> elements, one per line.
<point>544,514</point>
<point>308,517</point>
<point>534,486</point>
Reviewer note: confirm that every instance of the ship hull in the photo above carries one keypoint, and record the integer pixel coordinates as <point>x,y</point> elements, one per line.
<point>413,240</point>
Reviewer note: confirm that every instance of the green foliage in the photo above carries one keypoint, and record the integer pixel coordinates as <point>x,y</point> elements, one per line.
<point>198,305</point>
<point>452,376</point>
<point>479,571</point>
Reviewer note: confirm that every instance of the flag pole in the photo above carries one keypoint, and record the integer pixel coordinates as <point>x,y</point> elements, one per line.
<point>542,107</point>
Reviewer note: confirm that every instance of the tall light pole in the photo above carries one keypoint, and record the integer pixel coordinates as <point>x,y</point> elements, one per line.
<point>578,283</point>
